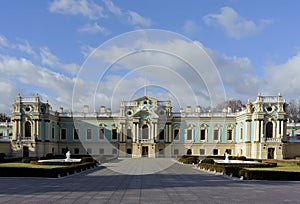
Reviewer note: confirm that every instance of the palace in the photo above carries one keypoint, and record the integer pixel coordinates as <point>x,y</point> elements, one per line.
<point>148,127</point>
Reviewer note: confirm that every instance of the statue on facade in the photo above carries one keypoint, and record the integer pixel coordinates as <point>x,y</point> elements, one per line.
<point>68,156</point>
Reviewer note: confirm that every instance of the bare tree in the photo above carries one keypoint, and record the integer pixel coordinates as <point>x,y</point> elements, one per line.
<point>235,105</point>
<point>4,117</point>
<point>293,110</point>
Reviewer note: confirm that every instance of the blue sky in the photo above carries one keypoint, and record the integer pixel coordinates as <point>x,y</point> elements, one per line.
<point>43,45</point>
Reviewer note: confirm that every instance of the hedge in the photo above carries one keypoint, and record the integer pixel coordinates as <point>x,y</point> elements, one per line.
<point>269,175</point>
<point>42,172</point>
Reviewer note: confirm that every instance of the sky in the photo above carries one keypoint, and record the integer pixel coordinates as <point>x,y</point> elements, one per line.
<point>99,52</point>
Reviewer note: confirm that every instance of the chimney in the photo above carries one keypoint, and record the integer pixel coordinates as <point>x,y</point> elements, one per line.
<point>102,109</point>
<point>61,110</point>
<point>85,109</point>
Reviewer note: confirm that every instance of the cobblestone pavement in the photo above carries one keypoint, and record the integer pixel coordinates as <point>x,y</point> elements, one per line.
<point>176,184</point>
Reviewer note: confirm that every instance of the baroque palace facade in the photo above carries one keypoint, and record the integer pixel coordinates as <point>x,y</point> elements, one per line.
<point>148,127</point>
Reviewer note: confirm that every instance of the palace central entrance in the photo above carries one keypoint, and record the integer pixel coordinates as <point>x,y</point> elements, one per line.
<point>145,151</point>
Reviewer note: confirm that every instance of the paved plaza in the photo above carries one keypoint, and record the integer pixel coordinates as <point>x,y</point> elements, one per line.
<point>173,183</point>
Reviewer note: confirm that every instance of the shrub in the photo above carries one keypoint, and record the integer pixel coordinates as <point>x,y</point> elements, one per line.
<point>34,162</point>
<point>49,156</point>
<point>187,159</point>
<point>26,160</point>
<point>2,156</point>
<point>243,158</point>
<point>87,159</point>
<point>207,161</point>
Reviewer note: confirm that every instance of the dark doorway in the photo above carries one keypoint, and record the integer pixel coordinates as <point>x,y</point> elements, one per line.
<point>189,152</point>
<point>269,130</point>
<point>25,151</point>
<point>145,132</point>
<point>129,152</point>
<point>145,151</point>
<point>271,153</point>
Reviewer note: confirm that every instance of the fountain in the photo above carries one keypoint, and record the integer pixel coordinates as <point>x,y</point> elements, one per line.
<point>66,160</point>
<point>227,161</point>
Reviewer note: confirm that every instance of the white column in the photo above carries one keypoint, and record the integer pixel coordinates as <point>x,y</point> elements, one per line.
<point>167,133</point>
<point>152,132</point>
<point>277,128</point>
<point>281,131</point>
<point>19,129</point>
<point>133,133</point>
<point>137,132</point>
<point>170,133</point>
<point>155,130</point>
<point>46,130</point>
<point>256,134</point>
<point>248,131</point>
<point>261,128</point>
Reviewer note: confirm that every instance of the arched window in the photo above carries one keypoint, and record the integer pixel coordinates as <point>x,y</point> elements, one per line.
<point>189,152</point>
<point>145,132</point>
<point>27,129</point>
<point>269,130</point>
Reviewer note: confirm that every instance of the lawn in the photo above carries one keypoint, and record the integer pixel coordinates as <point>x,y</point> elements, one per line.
<point>280,167</point>
<point>26,165</point>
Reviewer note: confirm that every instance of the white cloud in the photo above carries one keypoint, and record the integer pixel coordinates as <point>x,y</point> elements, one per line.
<point>136,19</point>
<point>26,47</point>
<point>3,41</point>
<point>235,25</point>
<point>77,7</point>
<point>112,8</point>
<point>190,27</point>
<point>283,78</point>
<point>94,28</point>
<point>49,59</point>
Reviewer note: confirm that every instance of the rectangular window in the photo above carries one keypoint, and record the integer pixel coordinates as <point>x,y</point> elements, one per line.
<point>228,151</point>
<point>128,134</point>
<point>161,152</point>
<point>241,134</point>
<point>216,134</point>
<point>89,151</point>
<point>101,133</point>
<point>114,134</point>
<point>202,134</point>
<point>88,134</point>
<point>53,133</point>
<point>1,134</point>
<point>189,134</point>
<point>215,152</point>
<point>75,134</point>
<point>63,134</point>
<point>114,151</point>
<point>76,151</point>
<point>161,134</point>
<point>176,134</point>
<point>101,151</point>
<point>202,151</point>
<point>229,134</point>
<point>176,151</point>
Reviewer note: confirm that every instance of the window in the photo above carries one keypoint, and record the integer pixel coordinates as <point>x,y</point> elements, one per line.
<point>89,151</point>
<point>189,134</point>
<point>63,134</point>
<point>145,132</point>
<point>76,151</point>
<point>229,151</point>
<point>88,134</point>
<point>53,133</point>
<point>1,134</point>
<point>202,134</point>
<point>128,133</point>
<point>229,134</point>
<point>128,151</point>
<point>215,152</point>
<point>114,151</point>
<point>101,133</point>
<point>161,152</point>
<point>161,134</point>
<point>216,134</point>
<point>75,134</point>
<point>189,152</point>
<point>202,151</point>
<point>101,151</point>
<point>27,129</point>
<point>176,134</point>
<point>114,134</point>
<point>176,151</point>
<point>241,134</point>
